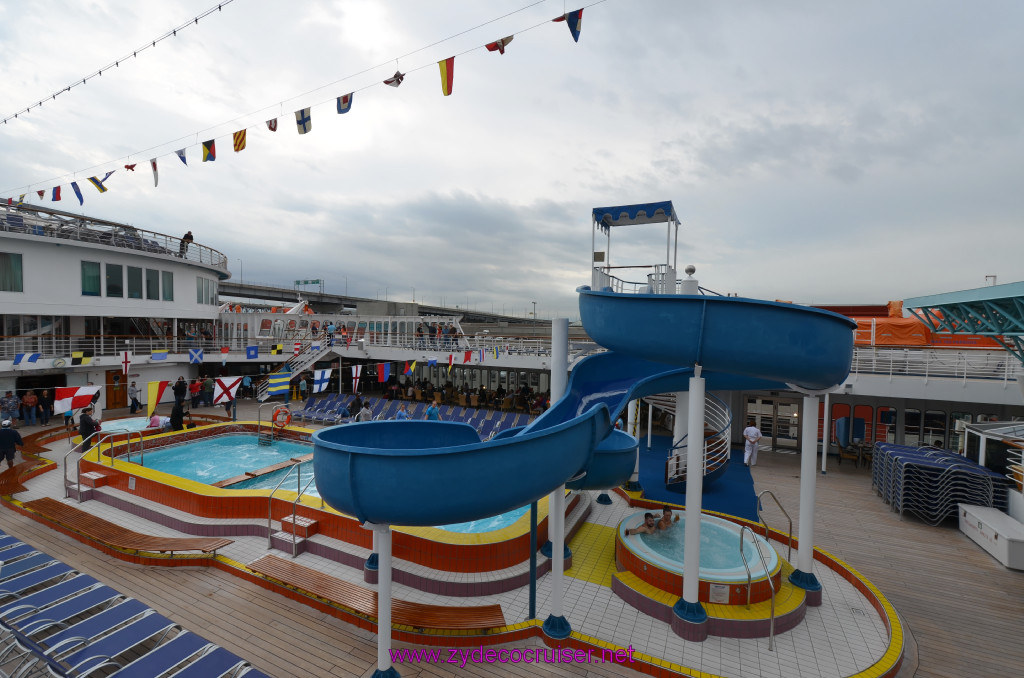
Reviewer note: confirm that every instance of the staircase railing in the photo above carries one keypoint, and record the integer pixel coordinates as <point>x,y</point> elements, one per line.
<point>296,363</point>
<point>717,441</point>
<point>764,524</point>
<point>768,576</point>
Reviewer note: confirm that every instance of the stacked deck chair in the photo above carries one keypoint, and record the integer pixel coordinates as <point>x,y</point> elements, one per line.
<point>929,482</point>
<point>313,406</point>
<point>59,622</point>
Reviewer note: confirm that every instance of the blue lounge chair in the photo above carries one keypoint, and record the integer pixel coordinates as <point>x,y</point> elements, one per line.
<point>43,569</point>
<point>78,657</point>
<point>162,659</point>
<point>33,602</point>
<point>59,614</point>
<point>14,552</point>
<point>216,663</point>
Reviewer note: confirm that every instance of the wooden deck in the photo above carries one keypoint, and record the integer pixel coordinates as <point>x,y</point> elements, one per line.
<point>964,609</point>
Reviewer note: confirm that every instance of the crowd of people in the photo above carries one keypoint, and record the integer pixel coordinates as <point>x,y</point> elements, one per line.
<point>30,409</point>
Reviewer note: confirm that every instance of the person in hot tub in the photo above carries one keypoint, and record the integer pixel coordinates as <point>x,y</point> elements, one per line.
<point>648,526</point>
<point>667,519</point>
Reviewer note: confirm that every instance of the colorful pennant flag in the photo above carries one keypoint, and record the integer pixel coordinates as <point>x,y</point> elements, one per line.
<point>357,370</point>
<point>499,45</point>
<point>495,351</point>
<point>412,368</point>
<point>303,121</point>
<point>321,378</point>
<point>272,125</point>
<point>80,358</point>
<point>55,197</point>
<point>224,350</point>
<point>277,383</point>
<point>155,391</point>
<point>431,362</point>
<point>252,352</point>
<point>66,398</point>
<point>195,356</point>
<point>276,349</point>
<point>239,138</point>
<point>131,168</point>
<point>158,355</point>
<point>447,67</point>
<point>383,372</point>
<point>407,370</point>
<point>41,193</point>
<point>396,79</point>
<point>574,20</point>
<point>345,102</point>
<point>209,150</point>
<point>98,183</point>
<point>467,357</point>
<point>315,346</point>
<point>25,357</point>
<point>224,389</point>
<point>21,199</point>
<point>156,177</point>
<point>481,355</point>
<point>298,348</point>
<point>181,156</point>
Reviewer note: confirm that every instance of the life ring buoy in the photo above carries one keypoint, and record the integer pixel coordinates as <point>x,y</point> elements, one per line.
<point>282,417</point>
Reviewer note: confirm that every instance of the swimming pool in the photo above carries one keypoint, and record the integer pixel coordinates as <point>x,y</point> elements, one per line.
<point>221,457</point>
<point>125,425</point>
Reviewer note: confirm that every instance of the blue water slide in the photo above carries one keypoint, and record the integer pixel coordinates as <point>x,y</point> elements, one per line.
<point>433,473</point>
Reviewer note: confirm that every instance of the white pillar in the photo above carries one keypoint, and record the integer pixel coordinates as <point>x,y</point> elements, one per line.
<point>826,432</point>
<point>631,415</point>
<point>982,443</point>
<point>556,625</point>
<point>679,426</point>
<point>650,426</point>
<point>382,533</point>
<point>694,488</point>
<point>808,479</point>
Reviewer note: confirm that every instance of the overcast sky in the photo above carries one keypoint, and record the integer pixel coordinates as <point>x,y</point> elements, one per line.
<point>819,152</point>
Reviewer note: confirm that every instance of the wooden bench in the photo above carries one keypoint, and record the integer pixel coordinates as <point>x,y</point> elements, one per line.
<point>10,479</point>
<point>114,535</point>
<point>364,601</point>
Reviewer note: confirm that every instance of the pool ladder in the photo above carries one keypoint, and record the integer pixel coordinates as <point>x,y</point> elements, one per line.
<point>99,438</point>
<point>263,438</point>
<point>760,518</point>
<point>299,490</point>
<point>771,584</point>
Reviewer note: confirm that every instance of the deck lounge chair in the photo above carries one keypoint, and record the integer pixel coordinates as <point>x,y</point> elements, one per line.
<point>56,615</point>
<point>13,553</point>
<point>45,597</point>
<point>216,663</point>
<point>35,571</point>
<point>76,657</point>
<point>165,657</point>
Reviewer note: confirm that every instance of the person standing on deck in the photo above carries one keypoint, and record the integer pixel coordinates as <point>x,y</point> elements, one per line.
<point>752,436</point>
<point>87,426</point>
<point>179,389</point>
<point>133,394</point>
<point>9,438</point>
<point>186,240</point>
<point>433,414</point>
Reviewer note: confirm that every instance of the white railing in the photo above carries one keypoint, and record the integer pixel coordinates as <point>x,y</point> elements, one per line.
<point>946,363</point>
<point>717,444</point>
<point>83,229</point>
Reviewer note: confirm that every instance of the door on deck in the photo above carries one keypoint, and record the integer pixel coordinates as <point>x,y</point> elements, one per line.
<point>116,389</point>
<point>778,419</point>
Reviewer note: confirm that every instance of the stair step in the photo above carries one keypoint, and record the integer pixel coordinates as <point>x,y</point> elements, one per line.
<point>300,525</point>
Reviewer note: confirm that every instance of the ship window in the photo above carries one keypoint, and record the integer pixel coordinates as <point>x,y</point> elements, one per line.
<point>885,424</point>
<point>115,280</point>
<point>934,428</point>
<point>168,284</point>
<point>10,272</point>
<point>152,284</point>
<point>911,427</point>
<point>134,282</point>
<point>91,279</point>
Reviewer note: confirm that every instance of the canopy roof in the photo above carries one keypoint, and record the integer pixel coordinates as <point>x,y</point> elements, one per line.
<point>631,215</point>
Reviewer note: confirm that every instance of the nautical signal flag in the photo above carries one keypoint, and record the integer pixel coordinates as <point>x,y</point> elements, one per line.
<point>303,121</point>
<point>407,370</point>
<point>276,349</point>
<point>224,389</point>
<point>67,398</point>
<point>20,358</point>
<point>272,125</point>
<point>315,346</point>
<point>209,150</point>
<point>431,362</point>
<point>56,194</point>
<point>383,372</point>
<point>224,350</point>
<point>98,183</point>
<point>158,355</point>
<point>396,79</point>
<point>239,139</point>
<point>321,378</point>
<point>195,355</point>
<point>447,67</point>
<point>574,20</point>
<point>277,383</point>
<point>298,348</point>
<point>467,357</point>
<point>252,352</point>
<point>41,193</point>
<point>357,370</point>
<point>499,45</point>
<point>156,177</point>
<point>181,156</point>
<point>451,361</point>
<point>80,358</point>
<point>78,193</point>
<point>155,391</point>
<point>345,102</point>
<point>481,355</point>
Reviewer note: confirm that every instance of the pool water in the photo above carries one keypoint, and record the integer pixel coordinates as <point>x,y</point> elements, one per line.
<point>218,458</point>
<point>124,425</point>
<point>719,546</point>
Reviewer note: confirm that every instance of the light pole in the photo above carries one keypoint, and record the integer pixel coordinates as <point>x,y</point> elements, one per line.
<point>241,272</point>
<point>534,310</point>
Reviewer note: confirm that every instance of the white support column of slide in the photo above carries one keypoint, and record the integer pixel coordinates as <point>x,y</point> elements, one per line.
<point>803,576</point>
<point>556,625</point>
<point>679,426</point>
<point>382,533</point>
<point>688,608</point>
<point>825,434</point>
<point>632,410</point>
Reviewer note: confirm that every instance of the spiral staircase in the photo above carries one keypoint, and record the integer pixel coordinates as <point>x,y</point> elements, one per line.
<point>717,441</point>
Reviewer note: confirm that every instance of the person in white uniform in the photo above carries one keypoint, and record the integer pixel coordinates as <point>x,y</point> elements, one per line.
<point>752,436</point>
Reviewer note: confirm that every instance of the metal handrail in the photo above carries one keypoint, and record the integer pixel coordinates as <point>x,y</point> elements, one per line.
<point>295,503</point>
<point>79,475</point>
<point>789,531</point>
<point>142,447</point>
<point>717,445</point>
<point>768,575</point>
<point>259,416</point>
<point>270,503</point>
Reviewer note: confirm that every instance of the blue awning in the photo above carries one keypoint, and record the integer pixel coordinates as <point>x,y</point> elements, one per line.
<point>631,215</point>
